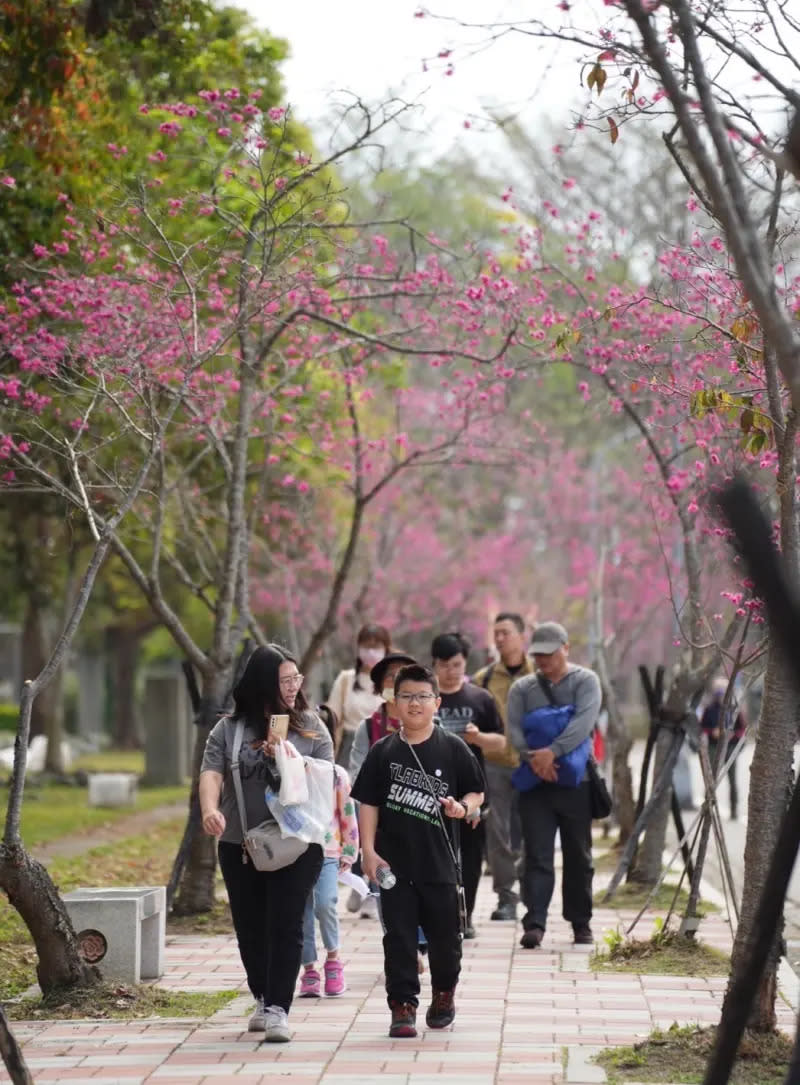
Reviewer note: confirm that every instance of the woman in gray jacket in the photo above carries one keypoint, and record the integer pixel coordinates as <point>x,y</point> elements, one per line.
<point>266,905</point>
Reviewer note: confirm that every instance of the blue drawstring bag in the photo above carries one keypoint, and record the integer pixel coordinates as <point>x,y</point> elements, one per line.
<point>540,727</point>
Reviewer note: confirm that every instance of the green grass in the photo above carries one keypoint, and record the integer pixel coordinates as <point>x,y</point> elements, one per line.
<point>681,1055</point>
<point>56,810</point>
<point>129,1001</point>
<point>631,896</point>
<point>666,953</point>
<point>111,761</point>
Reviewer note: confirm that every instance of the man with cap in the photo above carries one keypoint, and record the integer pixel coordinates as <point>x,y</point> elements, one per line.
<point>547,808</point>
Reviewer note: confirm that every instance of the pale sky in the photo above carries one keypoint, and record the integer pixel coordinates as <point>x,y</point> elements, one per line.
<point>373,47</point>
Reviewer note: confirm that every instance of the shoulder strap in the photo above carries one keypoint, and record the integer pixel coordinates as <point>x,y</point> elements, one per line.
<point>236,773</point>
<point>455,856</point>
<point>547,690</point>
<point>487,676</point>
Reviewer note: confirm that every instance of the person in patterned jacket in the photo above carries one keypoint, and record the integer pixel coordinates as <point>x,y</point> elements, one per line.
<point>340,849</point>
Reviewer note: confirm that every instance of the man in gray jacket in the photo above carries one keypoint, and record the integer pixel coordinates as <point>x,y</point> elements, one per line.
<point>548,808</point>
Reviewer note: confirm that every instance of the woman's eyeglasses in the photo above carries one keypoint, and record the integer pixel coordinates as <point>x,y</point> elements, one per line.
<point>420,698</point>
<point>292,680</point>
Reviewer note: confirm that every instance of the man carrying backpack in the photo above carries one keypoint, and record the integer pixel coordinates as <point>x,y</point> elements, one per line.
<point>551,715</point>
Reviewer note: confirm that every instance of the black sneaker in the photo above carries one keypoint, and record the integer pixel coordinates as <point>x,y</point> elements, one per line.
<point>469,930</point>
<point>441,1011</point>
<point>506,911</point>
<point>532,938</point>
<point>582,934</point>
<point>404,1020</point>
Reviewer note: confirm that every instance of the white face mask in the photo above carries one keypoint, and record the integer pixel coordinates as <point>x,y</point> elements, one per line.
<point>388,694</point>
<point>370,656</point>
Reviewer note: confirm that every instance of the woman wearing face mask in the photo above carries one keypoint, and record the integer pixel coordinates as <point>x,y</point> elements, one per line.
<point>379,723</point>
<point>353,697</point>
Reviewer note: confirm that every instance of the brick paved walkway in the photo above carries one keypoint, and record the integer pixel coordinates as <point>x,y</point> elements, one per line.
<point>524,1018</point>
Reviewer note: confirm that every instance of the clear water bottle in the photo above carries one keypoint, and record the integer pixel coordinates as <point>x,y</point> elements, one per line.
<point>385,878</point>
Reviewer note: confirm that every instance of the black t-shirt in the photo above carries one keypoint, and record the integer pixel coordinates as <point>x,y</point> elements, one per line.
<point>470,704</point>
<point>409,835</point>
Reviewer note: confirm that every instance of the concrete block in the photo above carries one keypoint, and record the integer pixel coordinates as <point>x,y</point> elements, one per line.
<point>112,788</point>
<point>133,921</point>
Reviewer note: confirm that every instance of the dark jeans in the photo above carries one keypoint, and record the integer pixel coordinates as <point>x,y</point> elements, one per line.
<point>267,908</point>
<point>472,847</point>
<point>543,811</point>
<point>734,744</point>
<point>404,908</point>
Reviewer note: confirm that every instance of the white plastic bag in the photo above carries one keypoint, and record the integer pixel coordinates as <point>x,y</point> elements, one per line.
<point>289,763</point>
<point>310,820</point>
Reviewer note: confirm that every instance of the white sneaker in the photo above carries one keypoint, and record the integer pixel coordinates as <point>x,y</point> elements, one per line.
<point>369,907</point>
<point>257,1022</point>
<point>276,1025</point>
<point>353,901</point>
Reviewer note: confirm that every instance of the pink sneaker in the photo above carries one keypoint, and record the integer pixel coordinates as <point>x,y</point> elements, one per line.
<point>334,978</point>
<point>309,985</point>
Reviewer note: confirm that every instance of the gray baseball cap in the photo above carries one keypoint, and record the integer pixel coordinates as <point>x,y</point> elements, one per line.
<point>548,637</point>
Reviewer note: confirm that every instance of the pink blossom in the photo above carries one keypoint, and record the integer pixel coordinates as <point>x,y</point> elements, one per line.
<point>9,182</point>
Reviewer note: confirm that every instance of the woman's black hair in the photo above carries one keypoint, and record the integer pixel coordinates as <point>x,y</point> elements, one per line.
<point>370,632</point>
<point>447,645</point>
<point>257,694</point>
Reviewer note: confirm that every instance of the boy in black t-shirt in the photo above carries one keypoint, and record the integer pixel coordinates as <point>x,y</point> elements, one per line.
<point>400,829</point>
<point>471,712</point>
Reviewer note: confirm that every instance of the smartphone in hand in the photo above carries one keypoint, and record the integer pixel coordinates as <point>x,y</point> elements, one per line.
<point>279,726</point>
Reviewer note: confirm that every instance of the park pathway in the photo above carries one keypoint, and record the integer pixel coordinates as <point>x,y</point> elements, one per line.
<point>524,1018</point>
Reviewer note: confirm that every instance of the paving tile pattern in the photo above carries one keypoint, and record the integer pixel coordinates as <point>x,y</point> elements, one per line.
<point>523,1016</point>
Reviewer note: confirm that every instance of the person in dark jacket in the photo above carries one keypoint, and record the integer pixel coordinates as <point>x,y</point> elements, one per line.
<point>712,725</point>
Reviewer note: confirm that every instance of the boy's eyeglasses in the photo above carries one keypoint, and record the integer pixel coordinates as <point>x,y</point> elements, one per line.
<point>420,698</point>
<point>292,680</point>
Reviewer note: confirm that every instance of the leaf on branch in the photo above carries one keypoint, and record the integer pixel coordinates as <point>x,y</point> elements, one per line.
<point>613,129</point>
<point>635,82</point>
<point>596,78</point>
<point>746,420</point>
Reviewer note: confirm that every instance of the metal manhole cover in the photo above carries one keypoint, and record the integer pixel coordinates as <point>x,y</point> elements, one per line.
<point>92,945</point>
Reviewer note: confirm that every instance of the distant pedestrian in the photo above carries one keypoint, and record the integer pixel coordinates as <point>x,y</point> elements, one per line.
<point>713,724</point>
<point>545,806</point>
<point>497,678</point>
<point>352,695</point>
<point>471,712</point>
<point>409,786</point>
<point>267,906</point>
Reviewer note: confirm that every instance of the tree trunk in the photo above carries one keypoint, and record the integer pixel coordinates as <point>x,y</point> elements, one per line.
<point>31,891</point>
<point>651,854</point>
<point>34,655</point>
<point>196,889</point>
<point>622,784</point>
<point>770,788</point>
<point>125,646</point>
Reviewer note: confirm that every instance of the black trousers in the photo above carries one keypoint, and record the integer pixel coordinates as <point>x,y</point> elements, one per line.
<point>267,908</point>
<point>543,811</point>
<point>404,908</point>
<point>472,849</point>
<point>733,744</point>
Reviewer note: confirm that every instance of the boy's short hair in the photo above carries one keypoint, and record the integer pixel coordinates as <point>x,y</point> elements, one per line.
<point>415,672</point>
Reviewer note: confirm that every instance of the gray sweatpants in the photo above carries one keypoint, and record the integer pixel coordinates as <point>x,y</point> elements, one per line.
<point>502,860</point>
